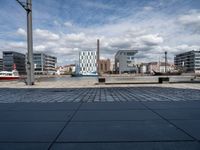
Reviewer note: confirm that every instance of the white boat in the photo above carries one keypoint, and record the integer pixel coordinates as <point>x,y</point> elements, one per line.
<point>9,75</point>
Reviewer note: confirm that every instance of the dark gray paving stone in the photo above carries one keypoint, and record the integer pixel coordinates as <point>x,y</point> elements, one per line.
<point>121,131</point>
<point>35,115</point>
<point>29,131</point>
<point>7,106</point>
<point>193,114</point>
<point>128,146</point>
<point>190,126</point>
<point>115,115</point>
<point>173,104</point>
<point>47,106</point>
<point>111,106</point>
<point>24,146</point>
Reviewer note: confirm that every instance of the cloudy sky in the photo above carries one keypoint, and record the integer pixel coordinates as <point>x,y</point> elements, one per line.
<point>65,27</point>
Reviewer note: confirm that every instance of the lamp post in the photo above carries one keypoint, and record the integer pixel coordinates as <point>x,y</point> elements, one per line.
<point>29,66</point>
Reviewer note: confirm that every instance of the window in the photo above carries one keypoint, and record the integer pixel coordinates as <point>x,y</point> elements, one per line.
<point>130,53</point>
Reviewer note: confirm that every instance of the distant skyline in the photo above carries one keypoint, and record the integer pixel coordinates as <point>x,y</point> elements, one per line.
<point>64,27</point>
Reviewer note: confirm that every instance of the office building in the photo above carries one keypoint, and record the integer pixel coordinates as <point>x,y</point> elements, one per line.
<point>11,59</point>
<point>1,64</point>
<point>44,64</point>
<point>188,61</point>
<point>104,65</point>
<point>125,61</point>
<point>88,63</point>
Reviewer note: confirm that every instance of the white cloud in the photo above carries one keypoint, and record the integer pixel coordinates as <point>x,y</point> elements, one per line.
<point>97,5</point>
<point>39,48</point>
<point>45,35</point>
<point>68,24</point>
<point>21,31</point>
<point>151,39</point>
<point>148,8</point>
<point>79,37</point>
<point>17,45</point>
<point>190,19</point>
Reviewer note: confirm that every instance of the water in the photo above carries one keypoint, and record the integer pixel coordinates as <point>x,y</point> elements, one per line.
<point>67,78</point>
<point>57,79</point>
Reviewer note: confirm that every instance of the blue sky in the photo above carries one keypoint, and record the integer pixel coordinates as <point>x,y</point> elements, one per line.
<point>64,27</point>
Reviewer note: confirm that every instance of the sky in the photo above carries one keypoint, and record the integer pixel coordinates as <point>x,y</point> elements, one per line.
<point>64,27</point>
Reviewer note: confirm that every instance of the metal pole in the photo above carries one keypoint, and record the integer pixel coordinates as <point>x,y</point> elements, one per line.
<point>98,57</point>
<point>165,61</point>
<point>30,65</point>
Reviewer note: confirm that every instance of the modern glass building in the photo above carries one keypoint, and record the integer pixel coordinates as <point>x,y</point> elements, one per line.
<point>11,59</point>
<point>44,64</point>
<point>88,62</point>
<point>188,61</point>
<point>125,61</point>
<point>1,64</point>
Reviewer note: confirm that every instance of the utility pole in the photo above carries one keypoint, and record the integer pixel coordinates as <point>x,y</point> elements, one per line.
<point>29,66</point>
<point>165,61</point>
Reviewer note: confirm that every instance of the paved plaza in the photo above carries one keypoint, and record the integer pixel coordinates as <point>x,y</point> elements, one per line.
<point>101,118</point>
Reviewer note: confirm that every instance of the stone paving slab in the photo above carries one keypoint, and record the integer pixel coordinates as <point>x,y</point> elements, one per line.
<point>109,115</point>
<point>35,115</point>
<point>190,126</point>
<point>183,114</point>
<point>112,106</point>
<point>24,146</point>
<point>29,131</point>
<point>59,106</point>
<point>173,105</point>
<point>128,146</point>
<point>119,131</point>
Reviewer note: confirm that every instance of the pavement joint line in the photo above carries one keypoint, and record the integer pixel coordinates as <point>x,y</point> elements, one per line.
<point>146,120</point>
<point>170,122</point>
<point>86,142</point>
<point>128,141</point>
<point>32,121</point>
<point>67,123</point>
<point>82,92</point>
<point>27,142</point>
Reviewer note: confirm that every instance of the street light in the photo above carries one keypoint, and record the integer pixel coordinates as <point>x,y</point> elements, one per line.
<point>29,66</point>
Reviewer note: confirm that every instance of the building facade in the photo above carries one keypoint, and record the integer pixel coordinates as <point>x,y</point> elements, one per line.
<point>44,64</point>
<point>188,61</point>
<point>143,68</point>
<point>1,64</point>
<point>11,59</point>
<point>159,67</point>
<point>104,65</point>
<point>88,62</point>
<point>66,70</point>
<point>125,61</point>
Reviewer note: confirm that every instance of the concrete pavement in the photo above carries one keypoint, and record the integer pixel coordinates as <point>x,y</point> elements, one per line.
<point>117,118</point>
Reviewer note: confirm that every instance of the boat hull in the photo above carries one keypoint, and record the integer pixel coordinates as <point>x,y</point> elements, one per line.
<point>9,78</point>
<point>86,75</point>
